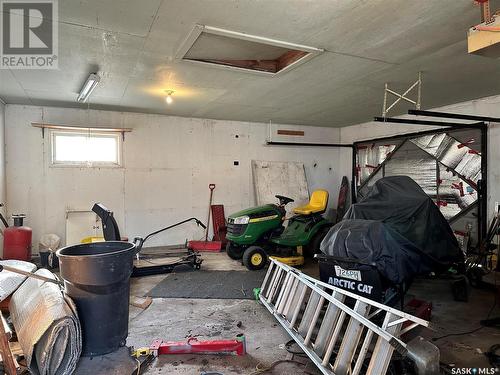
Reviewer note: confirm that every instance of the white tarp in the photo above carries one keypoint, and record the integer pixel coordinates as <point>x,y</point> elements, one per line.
<point>10,281</point>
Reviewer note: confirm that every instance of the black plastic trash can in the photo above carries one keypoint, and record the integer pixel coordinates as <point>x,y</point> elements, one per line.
<point>97,277</point>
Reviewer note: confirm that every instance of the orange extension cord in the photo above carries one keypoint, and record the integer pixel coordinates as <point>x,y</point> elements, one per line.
<point>487,28</point>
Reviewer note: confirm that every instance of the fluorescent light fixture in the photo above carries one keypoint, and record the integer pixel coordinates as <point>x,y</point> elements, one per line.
<point>88,87</point>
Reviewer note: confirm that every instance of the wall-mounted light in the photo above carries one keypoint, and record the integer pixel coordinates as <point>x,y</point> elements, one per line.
<point>168,98</point>
<point>88,87</point>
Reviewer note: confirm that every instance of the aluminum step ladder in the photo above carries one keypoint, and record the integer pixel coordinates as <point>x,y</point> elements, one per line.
<point>341,332</point>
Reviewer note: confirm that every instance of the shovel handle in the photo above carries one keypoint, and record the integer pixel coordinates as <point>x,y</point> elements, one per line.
<point>211,186</point>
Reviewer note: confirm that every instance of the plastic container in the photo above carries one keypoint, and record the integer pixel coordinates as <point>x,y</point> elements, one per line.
<point>49,260</point>
<point>97,277</point>
<point>47,247</point>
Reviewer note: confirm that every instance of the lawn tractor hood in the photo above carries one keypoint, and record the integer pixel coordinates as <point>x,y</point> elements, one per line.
<point>254,214</point>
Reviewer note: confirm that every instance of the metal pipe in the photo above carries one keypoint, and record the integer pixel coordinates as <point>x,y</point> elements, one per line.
<point>404,136</point>
<point>483,191</point>
<point>456,116</point>
<point>354,178</point>
<point>428,122</point>
<point>309,144</point>
<point>29,274</point>
<point>419,92</point>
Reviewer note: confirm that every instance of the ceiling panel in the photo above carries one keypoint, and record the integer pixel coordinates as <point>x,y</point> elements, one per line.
<point>186,99</point>
<point>124,16</point>
<point>10,89</point>
<point>132,44</point>
<point>396,31</point>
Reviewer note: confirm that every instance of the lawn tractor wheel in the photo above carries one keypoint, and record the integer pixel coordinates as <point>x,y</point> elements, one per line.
<point>255,258</point>
<point>234,252</point>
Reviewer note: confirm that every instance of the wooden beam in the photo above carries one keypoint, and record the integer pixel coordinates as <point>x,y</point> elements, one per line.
<point>9,362</point>
<point>270,66</point>
<point>290,132</point>
<point>289,58</point>
<point>260,65</point>
<point>78,127</point>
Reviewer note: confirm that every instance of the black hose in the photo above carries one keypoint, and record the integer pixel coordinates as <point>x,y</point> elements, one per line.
<point>198,222</point>
<point>4,221</point>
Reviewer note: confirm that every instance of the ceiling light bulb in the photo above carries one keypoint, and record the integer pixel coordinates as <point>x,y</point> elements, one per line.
<point>168,98</point>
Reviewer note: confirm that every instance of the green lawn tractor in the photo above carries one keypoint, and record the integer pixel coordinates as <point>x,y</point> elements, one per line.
<point>257,233</point>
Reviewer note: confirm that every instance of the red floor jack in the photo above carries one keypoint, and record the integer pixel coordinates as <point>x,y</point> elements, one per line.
<point>193,346</point>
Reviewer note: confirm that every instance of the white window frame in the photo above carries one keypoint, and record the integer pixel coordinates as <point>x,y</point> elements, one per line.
<point>90,164</point>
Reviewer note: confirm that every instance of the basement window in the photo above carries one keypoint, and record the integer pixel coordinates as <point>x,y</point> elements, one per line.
<point>243,52</point>
<point>77,148</point>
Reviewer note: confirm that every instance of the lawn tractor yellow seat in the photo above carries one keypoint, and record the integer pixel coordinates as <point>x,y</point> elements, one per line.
<point>317,204</point>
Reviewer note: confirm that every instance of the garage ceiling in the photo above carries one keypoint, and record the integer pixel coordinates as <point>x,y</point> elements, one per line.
<point>132,45</point>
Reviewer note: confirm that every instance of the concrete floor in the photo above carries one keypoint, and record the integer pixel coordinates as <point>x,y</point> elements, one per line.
<point>207,319</point>
<point>449,316</point>
<point>177,319</point>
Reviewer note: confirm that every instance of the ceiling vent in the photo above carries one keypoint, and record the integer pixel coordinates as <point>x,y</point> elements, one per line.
<point>243,52</point>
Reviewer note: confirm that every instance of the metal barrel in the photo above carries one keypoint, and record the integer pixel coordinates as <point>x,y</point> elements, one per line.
<point>97,277</point>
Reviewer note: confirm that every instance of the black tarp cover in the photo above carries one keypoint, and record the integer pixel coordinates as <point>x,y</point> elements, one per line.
<point>403,207</point>
<point>372,242</point>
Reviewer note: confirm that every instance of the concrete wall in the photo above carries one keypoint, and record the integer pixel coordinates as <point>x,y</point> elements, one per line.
<point>169,161</point>
<point>489,106</point>
<point>168,164</point>
<point>2,162</point>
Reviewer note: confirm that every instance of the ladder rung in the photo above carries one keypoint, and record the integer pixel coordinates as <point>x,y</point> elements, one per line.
<point>271,284</point>
<point>307,318</point>
<point>382,352</point>
<point>281,290</point>
<point>298,307</point>
<point>350,341</point>
<point>327,326</point>
<point>275,286</point>
<point>268,273</point>
<point>288,293</point>
<point>285,291</point>
<point>314,320</point>
<point>333,339</point>
<point>296,289</point>
<point>362,353</point>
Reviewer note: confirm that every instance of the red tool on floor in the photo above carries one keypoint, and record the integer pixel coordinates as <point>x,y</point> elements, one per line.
<point>419,308</point>
<point>194,346</point>
<point>212,246</point>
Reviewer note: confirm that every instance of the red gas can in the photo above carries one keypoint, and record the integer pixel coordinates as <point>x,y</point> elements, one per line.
<point>17,240</point>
